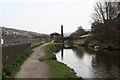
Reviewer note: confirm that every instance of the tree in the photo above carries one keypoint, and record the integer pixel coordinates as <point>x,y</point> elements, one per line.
<point>106,10</point>
<point>79,32</point>
<point>106,19</point>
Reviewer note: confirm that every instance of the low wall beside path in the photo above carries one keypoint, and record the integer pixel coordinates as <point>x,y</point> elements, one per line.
<point>12,52</point>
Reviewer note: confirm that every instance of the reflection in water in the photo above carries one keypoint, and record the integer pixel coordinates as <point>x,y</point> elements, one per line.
<point>107,64</point>
<point>57,48</point>
<point>89,63</point>
<point>62,54</point>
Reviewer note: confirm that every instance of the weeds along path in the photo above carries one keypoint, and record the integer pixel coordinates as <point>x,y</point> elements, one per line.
<point>33,67</point>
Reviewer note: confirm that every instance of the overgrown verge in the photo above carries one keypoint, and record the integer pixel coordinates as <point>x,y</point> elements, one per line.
<point>0,74</point>
<point>91,42</point>
<point>47,41</point>
<point>36,45</point>
<point>58,69</point>
<point>49,54</point>
<point>11,70</point>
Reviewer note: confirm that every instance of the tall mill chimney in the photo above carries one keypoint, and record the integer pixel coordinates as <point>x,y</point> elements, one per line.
<point>62,32</point>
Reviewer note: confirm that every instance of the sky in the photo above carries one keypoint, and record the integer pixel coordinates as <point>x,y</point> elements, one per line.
<point>46,16</point>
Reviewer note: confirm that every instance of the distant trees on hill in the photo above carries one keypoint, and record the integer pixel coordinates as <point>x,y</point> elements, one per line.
<point>79,32</point>
<point>12,36</point>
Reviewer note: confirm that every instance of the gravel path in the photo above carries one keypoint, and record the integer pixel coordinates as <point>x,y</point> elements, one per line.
<point>32,67</point>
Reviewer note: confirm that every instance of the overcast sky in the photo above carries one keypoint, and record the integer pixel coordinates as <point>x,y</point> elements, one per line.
<point>46,16</point>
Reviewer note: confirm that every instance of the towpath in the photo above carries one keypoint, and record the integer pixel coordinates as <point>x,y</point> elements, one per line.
<point>33,67</point>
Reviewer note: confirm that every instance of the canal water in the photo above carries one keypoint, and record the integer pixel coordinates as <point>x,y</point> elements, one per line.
<point>90,63</point>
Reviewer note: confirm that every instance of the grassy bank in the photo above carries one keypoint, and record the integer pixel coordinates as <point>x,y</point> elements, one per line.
<point>57,69</point>
<point>36,45</point>
<point>0,74</point>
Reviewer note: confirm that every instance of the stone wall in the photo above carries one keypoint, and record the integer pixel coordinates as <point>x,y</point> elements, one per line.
<point>12,52</point>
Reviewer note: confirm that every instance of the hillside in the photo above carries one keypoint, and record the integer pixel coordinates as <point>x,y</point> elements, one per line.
<point>11,31</point>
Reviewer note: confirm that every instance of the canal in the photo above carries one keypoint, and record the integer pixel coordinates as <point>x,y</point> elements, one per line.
<point>90,63</point>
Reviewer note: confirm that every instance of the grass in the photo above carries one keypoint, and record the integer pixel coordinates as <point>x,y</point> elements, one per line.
<point>47,41</point>
<point>0,74</point>
<point>11,70</point>
<point>37,45</point>
<point>58,69</point>
<point>49,54</point>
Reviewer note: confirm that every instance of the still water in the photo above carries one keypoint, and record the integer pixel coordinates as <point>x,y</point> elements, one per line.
<point>90,63</point>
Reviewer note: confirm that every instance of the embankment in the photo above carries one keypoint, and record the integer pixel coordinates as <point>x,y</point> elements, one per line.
<point>57,69</point>
<point>92,43</point>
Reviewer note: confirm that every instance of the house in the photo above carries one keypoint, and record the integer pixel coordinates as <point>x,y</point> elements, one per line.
<point>56,37</point>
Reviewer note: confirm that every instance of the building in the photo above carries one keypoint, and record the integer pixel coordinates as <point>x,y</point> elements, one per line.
<point>56,37</point>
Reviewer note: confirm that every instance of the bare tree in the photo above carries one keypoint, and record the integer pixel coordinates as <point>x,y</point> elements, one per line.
<point>106,10</point>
